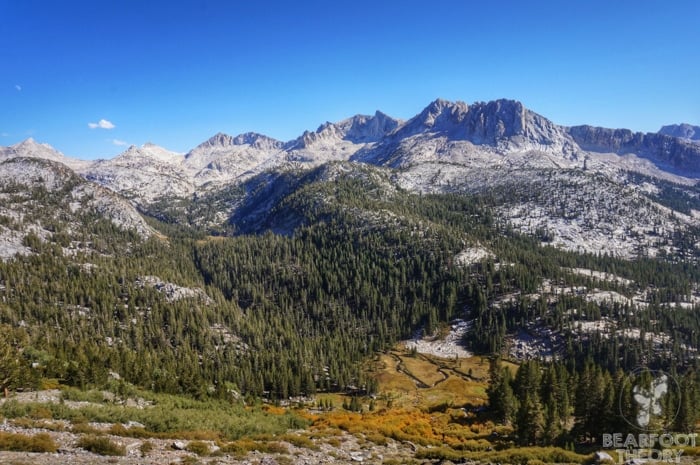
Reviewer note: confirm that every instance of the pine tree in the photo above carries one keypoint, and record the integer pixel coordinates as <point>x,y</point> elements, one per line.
<point>689,407</point>
<point>552,422</point>
<point>530,421</point>
<point>13,367</point>
<point>502,400</point>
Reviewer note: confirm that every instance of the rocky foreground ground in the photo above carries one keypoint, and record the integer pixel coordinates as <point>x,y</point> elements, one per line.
<point>349,450</point>
<point>343,448</point>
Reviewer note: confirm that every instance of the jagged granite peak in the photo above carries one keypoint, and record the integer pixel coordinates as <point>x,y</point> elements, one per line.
<point>439,116</point>
<point>224,159</point>
<point>221,141</point>
<point>683,131</point>
<point>30,143</point>
<point>679,154</point>
<point>482,135</point>
<point>364,129</point>
<point>483,123</point>
<point>454,132</point>
<point>358,129</point>
<point>492,121</point>
<point>259,141</point>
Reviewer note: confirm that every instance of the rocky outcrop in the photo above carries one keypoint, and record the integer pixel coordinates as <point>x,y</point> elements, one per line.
<point>682,131</point>
<point>679,154</point>
<point>223,141</point>
<point>482,123</point>
<point>359,129</point>
<point>363,129</point>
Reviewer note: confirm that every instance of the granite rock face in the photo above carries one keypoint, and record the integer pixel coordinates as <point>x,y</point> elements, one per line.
<point>679,154</point>
<point>359,129</point>
<point>682,131</point>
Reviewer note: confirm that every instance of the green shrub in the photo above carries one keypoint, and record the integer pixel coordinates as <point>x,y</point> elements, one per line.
<point>84,428</point>
<point>198,447</point>
<point>302,442</point>
<point>241,447</point>
<point>39,412</point>
<point>277,448</point>
<point>138,432</point>
<point>516,456</point>
<point>377,438</point>
<point>41,442</point>
<point>101,445</point>
<point>145,448</point>
<point>334,442</point>
<point>78,395</point>
<point>169,416</point>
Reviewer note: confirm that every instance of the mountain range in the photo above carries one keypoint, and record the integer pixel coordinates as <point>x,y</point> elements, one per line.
<point>447,147</point>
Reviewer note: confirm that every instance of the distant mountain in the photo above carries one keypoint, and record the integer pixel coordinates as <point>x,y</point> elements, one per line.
<point>669,151</point>
<point>358,130</point>
<point>32,149</point>
<point>233,183</point>
<point>492,136</point>
<point>455,132</point>
<point>682,131</point>
<point>340,141</point>
<point>143,174</point>
<point>224,159</point>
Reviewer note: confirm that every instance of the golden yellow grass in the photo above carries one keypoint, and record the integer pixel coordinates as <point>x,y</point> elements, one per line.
<point>390,380</point>
<point>459,389</point>
<point>428,373</point>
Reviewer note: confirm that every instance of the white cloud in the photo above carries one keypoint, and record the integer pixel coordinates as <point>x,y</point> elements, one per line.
<point>102,124</point>
<point>119,143</point>
<point>18,87</point>
<point>4,134</point>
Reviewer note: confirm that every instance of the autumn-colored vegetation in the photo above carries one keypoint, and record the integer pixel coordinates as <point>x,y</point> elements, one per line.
<point>41,442</point>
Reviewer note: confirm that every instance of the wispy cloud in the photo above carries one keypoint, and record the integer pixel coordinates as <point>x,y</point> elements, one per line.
<point>18,87</point>
<point>119,143</point>
<point>4,134</point>
<point>102,124</point>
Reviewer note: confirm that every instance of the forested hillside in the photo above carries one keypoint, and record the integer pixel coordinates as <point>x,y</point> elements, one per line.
<point>284,315</point>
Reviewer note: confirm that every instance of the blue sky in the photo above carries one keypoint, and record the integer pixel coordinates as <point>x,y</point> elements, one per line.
<point>174,73</point>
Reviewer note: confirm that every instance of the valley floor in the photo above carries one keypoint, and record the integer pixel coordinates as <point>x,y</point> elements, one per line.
<point>425,412</point>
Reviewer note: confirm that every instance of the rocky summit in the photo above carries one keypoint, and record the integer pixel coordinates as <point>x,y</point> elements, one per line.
<point>447,147</point>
